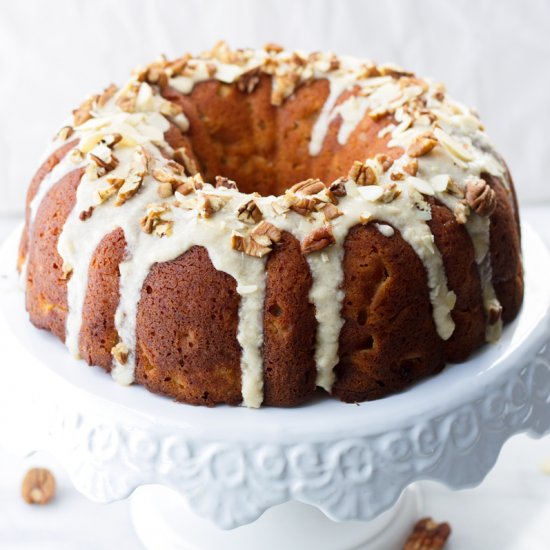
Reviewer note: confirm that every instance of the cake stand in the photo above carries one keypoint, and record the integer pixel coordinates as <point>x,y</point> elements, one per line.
<point>326,475</point>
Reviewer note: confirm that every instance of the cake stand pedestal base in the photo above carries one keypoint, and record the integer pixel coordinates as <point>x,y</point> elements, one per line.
<point>162,519</point>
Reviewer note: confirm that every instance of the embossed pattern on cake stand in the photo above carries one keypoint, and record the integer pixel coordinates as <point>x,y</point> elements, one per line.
<point>230,465</point>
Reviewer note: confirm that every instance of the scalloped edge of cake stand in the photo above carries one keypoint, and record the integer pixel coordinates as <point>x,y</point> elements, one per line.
<point>233,464</point>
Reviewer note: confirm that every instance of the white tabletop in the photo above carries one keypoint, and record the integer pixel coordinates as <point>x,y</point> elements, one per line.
<point>510,510</point>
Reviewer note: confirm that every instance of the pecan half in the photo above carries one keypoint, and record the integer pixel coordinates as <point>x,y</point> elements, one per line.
<point>308,187</point>
<point>428,535</point>
<point>38,486</point>
<point>318,239</point>
<point>362,174</point>
<point>480,197</point>
<point>268,229</point>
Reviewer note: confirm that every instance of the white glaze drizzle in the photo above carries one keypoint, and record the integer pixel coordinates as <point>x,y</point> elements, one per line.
<point>406,213</point>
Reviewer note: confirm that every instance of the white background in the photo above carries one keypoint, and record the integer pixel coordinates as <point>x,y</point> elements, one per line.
<point>493,54</point>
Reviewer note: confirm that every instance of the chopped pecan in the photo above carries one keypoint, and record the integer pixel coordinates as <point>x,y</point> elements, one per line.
<point>249,246</point>
<point>283,86</point>
<point>111,139</point>
<point>165,190</point>
<point>385,161</point>
<point>461,212</point>
<point>304,205</point>
<point>249,212</point>
<point>153,222</point>
<point>331,212</point>
<point>181,156</point>
<point>84,112</point>
<point>272,47</point>
<point>338,187</point>
<point>107,94</point>
<point>120,352</point>
<point>86,214</point>
<point>248,81</point>
<point>166,174</point>
<point>130,188</point>
<point>128,98</point>
<point>222,181</point>
<point>390,192</point>
<point>494,314</point>
<point>208,205</point>
<point>428,535</point>
<point>411,167</point>
<point>185,188</point>
<point>133,181</point>
<point>397,176</point>
<point>480,197</point>
<point>168,108</point>
<point>422,145</point>
<point>65,133</point>
<point>105,165</point>
<point>318,239</point>
<point>177,66</point>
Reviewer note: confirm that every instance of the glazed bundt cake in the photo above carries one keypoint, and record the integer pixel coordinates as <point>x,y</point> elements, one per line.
<point>247,226</point>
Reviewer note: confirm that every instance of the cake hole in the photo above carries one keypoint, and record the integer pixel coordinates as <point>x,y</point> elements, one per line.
<point>275,160</point>
<point>275,310</point>
<point>362,317</point>
<point>148,289</point>
<point>408,365</point>
<point>367,343</point>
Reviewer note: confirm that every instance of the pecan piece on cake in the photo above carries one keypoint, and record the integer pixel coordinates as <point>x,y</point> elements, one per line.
<point>480,197</point>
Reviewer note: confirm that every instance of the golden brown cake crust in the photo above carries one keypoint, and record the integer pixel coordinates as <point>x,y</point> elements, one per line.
<point>389,338</point>
<point>506,251</point>
<point>186,332</point>
<point>98,334</point>
<point>454,243</point>
<point>47,166</point>
<point>289,327</point>
<point>46,282</point>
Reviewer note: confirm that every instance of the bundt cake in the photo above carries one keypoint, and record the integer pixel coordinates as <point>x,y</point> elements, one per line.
<point>247,226</point>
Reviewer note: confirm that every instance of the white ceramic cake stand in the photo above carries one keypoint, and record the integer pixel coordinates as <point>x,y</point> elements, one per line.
<point>327,475</point>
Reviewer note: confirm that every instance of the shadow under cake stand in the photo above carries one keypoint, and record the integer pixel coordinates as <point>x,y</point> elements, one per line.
<point>326,475</point>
